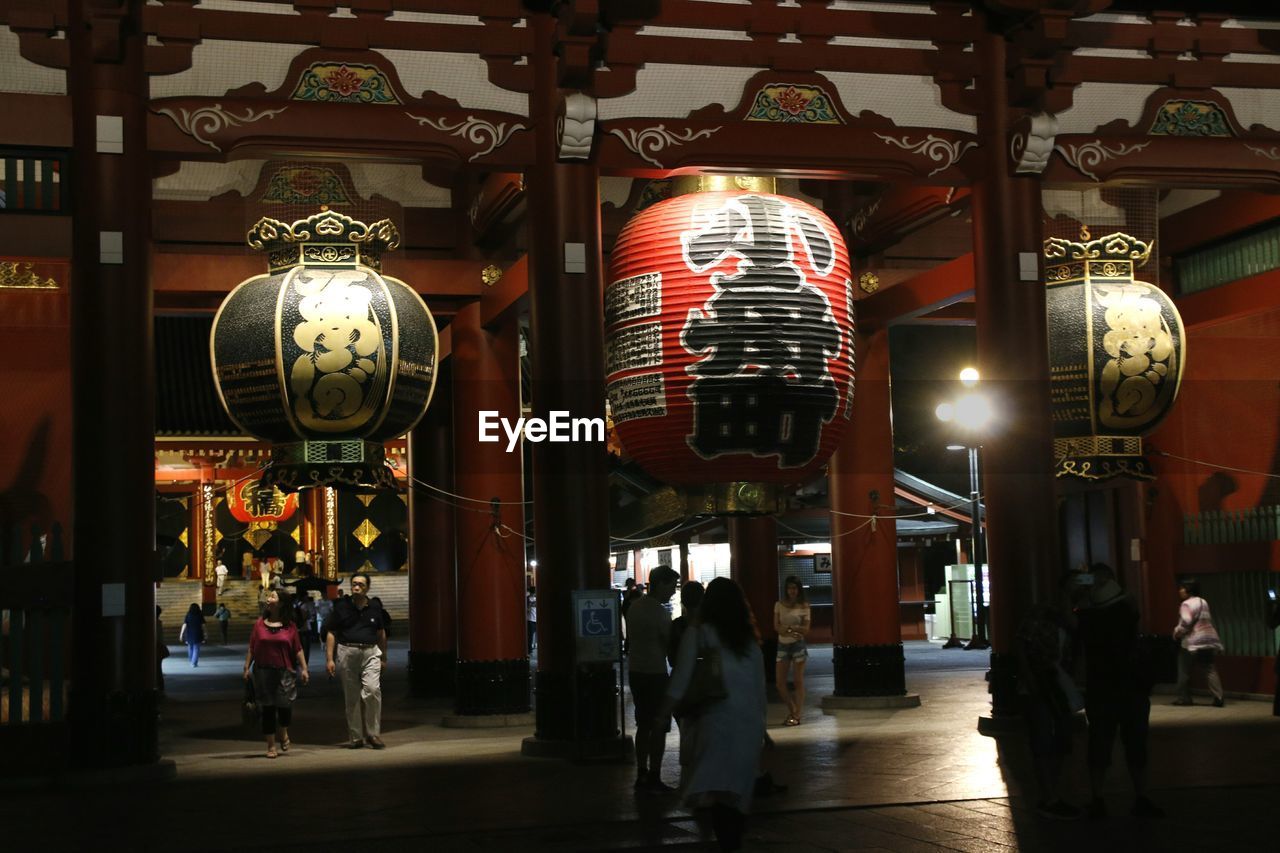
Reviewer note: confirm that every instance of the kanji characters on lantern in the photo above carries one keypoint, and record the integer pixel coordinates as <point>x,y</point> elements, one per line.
<point>729,319</point>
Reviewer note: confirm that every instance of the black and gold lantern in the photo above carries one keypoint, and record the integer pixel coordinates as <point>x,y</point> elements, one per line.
<point>324,357</point>
<point>1116,352</point>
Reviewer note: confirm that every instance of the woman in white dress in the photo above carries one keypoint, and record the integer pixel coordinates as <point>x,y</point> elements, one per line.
<point>727,735</point>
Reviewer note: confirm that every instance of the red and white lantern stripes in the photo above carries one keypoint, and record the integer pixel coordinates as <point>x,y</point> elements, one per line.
<point>729,320</point>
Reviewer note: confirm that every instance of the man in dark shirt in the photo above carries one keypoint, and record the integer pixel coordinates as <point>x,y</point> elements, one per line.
<point>1118,687</point>
<point>357,633</point>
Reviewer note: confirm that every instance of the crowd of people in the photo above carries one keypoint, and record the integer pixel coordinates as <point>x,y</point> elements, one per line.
<point>1095,620</point>
<point>704,670</point>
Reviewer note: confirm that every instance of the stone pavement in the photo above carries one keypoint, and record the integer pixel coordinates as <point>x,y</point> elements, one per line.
<point>899,780</point>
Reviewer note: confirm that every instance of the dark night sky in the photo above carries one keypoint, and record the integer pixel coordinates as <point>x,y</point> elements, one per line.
<point>925,362</point>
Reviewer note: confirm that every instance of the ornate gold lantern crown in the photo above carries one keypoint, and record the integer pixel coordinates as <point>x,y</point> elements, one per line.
<point>327,239</point>
<point>1114,256</point>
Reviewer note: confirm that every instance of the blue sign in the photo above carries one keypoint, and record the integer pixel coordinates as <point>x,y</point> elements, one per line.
<point>596,625</point>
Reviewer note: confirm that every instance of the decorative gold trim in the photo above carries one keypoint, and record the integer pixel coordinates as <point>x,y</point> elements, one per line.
<point>11,278</point>
<point>366,532</point>
<point>365,499</point>
<point>1113,256</point>
<point>490,275</point>
<point>209,525</point>
<point>688,184</point>
<point>330,534</point>
<point>327,238</point>
<point>869,282</point>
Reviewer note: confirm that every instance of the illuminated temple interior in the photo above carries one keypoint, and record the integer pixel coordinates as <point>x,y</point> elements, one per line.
<point>941,312</point>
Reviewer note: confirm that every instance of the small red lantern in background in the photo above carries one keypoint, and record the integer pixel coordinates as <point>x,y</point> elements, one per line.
<point>261,507</point>
<point>729,322</point>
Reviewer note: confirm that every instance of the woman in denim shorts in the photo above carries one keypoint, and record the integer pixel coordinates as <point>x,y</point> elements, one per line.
<point>791,621</point>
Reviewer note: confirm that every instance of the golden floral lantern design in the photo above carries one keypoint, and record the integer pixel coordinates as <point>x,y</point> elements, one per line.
<point>729,346</point>
<point>324,357</point>
<point>1116,355</point>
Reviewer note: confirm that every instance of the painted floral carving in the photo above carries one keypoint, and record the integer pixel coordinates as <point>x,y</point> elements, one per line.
<point>340,83</point>
<point>1190,118</point>
<point>793,104</point>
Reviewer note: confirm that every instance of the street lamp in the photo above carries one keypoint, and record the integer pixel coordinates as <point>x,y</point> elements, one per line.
<point>972,412</point>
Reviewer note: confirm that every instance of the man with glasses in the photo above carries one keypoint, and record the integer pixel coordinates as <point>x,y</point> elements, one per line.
<point>357,632</point>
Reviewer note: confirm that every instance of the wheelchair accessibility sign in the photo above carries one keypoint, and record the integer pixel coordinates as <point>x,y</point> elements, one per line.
<point>596,625</point>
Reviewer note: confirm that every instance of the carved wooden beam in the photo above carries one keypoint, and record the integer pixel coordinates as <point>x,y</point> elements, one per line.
<point>1098,158</point>
<point>1216,219</point>
<point>213,128</point>
<point>654,147</point>
<point>945,284</point>
<point>888,218</point>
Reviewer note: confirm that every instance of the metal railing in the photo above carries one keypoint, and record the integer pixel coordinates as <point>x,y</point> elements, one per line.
<point>1228,526</point>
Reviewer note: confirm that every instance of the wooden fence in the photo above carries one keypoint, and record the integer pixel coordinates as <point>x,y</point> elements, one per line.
<point>35,646</point>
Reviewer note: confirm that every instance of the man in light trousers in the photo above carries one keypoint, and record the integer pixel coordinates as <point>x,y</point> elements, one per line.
<point>356,648</point>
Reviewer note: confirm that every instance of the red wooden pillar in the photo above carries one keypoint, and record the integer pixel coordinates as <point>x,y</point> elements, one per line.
<point>867,654</point>
<point>1017,470</point>
<point>753,564</point>
<point>112,711</point>
<point>493,671</point>
<point>570,479</point>
<point>433,641</point>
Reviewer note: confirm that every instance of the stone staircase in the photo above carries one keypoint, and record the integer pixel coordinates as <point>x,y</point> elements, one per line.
<point>241,598</point>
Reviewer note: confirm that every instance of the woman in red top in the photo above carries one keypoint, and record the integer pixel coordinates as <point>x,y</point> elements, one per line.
<point>273,648</point>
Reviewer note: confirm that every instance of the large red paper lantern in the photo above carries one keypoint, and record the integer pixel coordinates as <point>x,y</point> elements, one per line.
<point>729,321</point>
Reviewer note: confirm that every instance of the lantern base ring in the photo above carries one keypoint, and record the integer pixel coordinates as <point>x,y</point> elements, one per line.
<point>734,499</point>
<point>351,465</point>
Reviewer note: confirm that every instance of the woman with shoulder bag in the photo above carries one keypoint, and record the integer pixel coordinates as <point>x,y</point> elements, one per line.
<point>273,649</point>
<point>729,731</point>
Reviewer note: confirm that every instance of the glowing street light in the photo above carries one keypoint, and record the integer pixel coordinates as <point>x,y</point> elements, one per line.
<point>972,412</point>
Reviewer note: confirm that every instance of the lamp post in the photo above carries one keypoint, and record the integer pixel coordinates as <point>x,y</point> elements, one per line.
<point>972,412</point>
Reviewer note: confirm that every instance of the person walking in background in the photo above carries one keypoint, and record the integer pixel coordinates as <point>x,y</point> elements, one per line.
<point>691,593</point>
<point>1199,643</point>
<point>162,651</point>
<point>729,734</point>
<point>791,619</point>
<point>192,633</point>
<point>220,572</point>
<point>1049,699</point>
<point>1273,622</point>
<point>531,617</point>
<point>304,611</point>
<point>223,615</point>
<point>1118,685</point>
<point>273,649</point>
<point>356,649</point>
<point>648,631</point>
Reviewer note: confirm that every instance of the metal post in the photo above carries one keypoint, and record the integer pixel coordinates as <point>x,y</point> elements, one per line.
<point>979,639</point>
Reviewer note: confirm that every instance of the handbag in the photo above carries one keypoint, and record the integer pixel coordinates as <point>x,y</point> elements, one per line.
<point>249,707</point>
<point>706,684</point>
